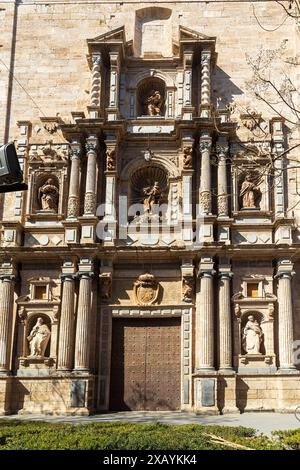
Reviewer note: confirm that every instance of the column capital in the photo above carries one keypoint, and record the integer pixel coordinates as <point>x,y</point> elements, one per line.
<point>91,144</point>
<point>86,274</point>
<point>206,273</point>
<point>8,277</point>
<point>96,58</point>
<point>114,57</point>
<point>205,56</point>
<point>222,149</point>
<point>188,58</point>
<point>68,277</point>
<point>285,275</point>
<point>225,274</point>
<point>8,271</point>
<point>206,267</point>
<point>75,149</point>
<point>285,268</point>
<point>205,144</point>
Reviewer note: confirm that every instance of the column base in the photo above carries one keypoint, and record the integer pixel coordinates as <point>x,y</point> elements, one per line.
<point>288,371</point>
<point>63,370</point>
<point>81,372</point>
<point>207,411</point>
<point>205,371</point>
<point>226,371</point>
<point>230,410</point>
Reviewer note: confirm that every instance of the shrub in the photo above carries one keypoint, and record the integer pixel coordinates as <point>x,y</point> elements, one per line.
<point>29,435</point>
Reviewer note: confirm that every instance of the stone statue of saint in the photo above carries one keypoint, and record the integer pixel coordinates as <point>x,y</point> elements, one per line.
<point>48,195</point>
<point>39,338</point>
<point>154,103</point>
<point>153,197</point>
<point>187,289</point>
<point>249,193</point>
<point>187,158</point>
<point>111,160</point>
<point>252,336</point>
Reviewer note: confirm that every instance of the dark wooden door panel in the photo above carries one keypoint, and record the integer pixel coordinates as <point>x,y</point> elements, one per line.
<point>145,367</point>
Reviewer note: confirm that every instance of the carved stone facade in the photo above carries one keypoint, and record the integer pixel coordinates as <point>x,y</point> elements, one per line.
<point>149,232</point>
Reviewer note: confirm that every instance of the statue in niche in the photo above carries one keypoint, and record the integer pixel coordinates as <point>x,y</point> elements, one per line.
<point>111,160</point>
<point>187,158</point>
<point>48,196</point>
<point>187,288</point>
<point>106,285</point>
<point>39,338</point>
<point>249,193</point>
<point>153,197</point>
<point>154,104</point>
<point>252,336</point>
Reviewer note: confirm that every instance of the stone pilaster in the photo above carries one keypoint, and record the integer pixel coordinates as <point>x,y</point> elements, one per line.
<point>187,188</point>
<point>205,317</point>
<point>278,149</point>
<point>225,328</point>
<point>91,174</point>
<point>67,318</point>
<point>205,182</point>
<point>83,324</point>
<point>187,111</point>
<point>113,112</point>
<point>222,150</point>
<point>205,105</point>
<point>73,199</point>
<point>285,315</point>
<point>7,278</point>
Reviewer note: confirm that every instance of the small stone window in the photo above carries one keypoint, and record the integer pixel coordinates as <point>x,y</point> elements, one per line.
<point>252,289</point>
<point>41,292</point>
<point>40,289</point>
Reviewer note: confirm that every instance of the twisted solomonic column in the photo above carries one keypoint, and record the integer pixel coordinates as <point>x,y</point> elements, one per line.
<point>205,96</point>
<point>96,81</point>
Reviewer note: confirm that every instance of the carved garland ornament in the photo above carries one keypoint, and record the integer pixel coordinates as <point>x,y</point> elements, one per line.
<point>205,201</point>
<point>223,204</point>
<point>146,289</point>
<point>73,206</point>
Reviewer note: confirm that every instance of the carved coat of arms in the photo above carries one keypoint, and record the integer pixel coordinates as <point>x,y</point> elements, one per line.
<point>146,289</point>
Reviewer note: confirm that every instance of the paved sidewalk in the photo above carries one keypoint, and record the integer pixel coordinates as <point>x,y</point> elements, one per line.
<point>263,422</point>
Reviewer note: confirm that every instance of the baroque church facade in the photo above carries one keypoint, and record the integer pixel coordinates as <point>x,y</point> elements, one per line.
<point>152,264</point>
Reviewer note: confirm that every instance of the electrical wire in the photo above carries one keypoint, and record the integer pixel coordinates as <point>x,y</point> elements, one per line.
<point>262,27</point>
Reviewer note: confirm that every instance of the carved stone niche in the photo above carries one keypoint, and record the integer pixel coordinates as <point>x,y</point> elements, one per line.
<point>105,279</point>
<point>253,326</point>
<point>47,185</point>
<point>251,195</point>
<point>30,309</point>
<point>151,97</point>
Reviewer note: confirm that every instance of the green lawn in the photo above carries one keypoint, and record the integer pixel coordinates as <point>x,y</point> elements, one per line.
<point>26,435</point>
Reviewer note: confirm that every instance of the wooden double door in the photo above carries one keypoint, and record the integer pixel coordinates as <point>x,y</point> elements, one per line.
<point>145,364</point>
